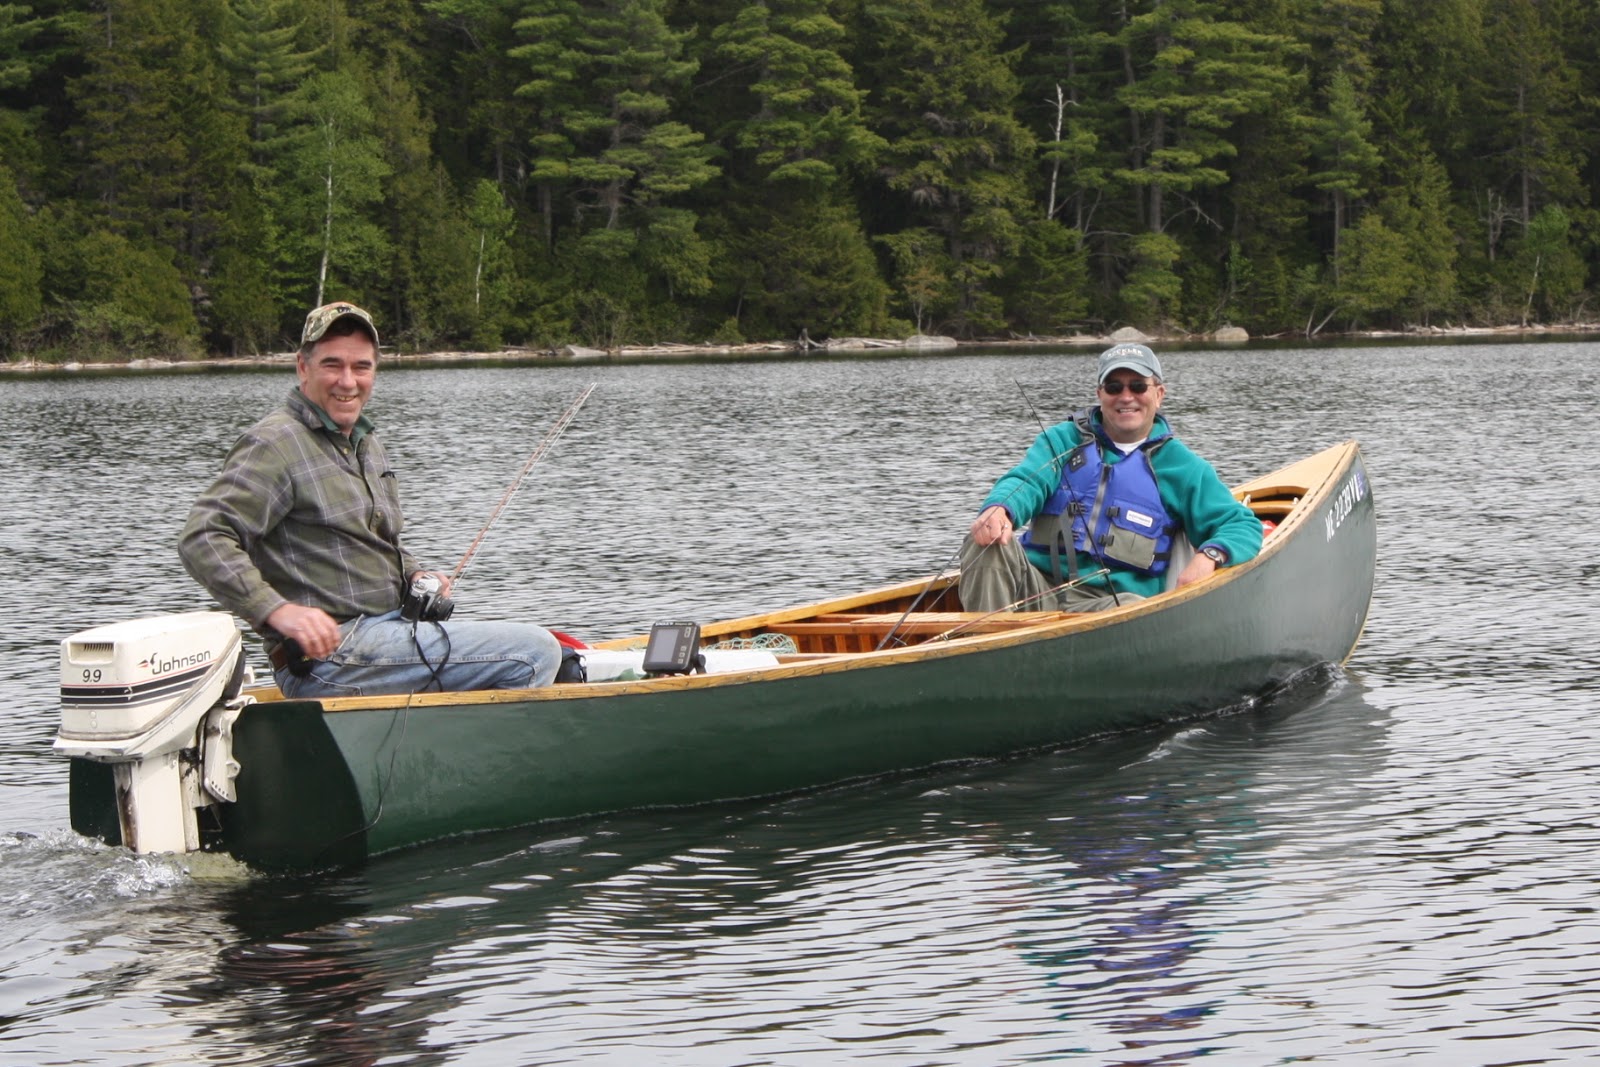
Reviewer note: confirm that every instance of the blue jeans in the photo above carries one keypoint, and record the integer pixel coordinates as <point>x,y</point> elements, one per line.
<point>387,654</point>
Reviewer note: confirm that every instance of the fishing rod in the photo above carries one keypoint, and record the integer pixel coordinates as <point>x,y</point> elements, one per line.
<point>550,438</point>
<point>967,624</point>
<point>425,600</point>
<point>1094,550</point>
<point>1104,571</point>
<point>1028,401</point>
<point>887,637</point>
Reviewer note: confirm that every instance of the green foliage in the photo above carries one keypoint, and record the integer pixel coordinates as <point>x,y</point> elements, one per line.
<point>1151,294</point>
<point>194,173</point>
<point>807,268</point>
<point>1198,74</point>
<point>243,308</point>
<point>1418,209</point>
<point>956,151</point>
<point>491,223</point>
<point>1377,274</point>
<point>1544,268</point>
<point>20,270</point>
<point>127,298</point>
<point>806,124</point>
<point>924,273</point>
<point>1341,144</point>
<point>1047,284</point>
<point>331,184</point>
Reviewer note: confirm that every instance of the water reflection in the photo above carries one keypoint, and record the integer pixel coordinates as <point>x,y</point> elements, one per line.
<point>1064,895</point>
<point>318,995</point>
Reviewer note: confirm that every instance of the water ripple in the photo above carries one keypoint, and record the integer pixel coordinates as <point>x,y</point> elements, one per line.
<point>1390,862</point>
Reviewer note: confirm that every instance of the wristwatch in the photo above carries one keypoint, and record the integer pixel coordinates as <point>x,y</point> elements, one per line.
<point>1215,555</point>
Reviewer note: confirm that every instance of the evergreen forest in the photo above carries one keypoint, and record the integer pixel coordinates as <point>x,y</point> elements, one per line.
<point>188,177</point>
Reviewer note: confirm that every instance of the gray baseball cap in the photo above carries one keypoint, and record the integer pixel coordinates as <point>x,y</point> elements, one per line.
<point>321,318</point>
<point>1132,357</point>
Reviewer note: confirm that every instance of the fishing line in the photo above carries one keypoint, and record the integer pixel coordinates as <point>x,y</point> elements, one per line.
<point>403,717</point>
<point>403,714</point>
<point>1054,461</point>
<point>550,438</point>
<point>1088,534</point>
<point>1014,605</point>
<point>1029,402</point>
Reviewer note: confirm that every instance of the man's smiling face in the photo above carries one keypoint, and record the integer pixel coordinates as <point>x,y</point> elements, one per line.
<point>1129,416</point>
<point>337,376</point>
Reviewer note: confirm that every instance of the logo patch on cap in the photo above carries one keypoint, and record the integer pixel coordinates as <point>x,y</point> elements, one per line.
<point>320,319</point>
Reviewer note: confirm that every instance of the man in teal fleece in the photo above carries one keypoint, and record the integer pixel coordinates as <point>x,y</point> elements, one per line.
<point>1109,499</point>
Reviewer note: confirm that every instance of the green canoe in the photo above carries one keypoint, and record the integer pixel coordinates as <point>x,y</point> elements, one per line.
<point>864,686</point>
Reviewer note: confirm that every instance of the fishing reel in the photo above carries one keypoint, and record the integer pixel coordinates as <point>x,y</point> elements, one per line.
<point>425,600</point>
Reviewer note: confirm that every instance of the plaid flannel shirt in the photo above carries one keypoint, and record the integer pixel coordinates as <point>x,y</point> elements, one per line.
<point>301,514</point>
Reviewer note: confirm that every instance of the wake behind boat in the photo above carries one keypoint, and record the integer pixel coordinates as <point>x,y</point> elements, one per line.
<point>173,750</point>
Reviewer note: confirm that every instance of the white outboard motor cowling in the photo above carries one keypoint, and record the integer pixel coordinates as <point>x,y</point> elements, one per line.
<point>136,695</point>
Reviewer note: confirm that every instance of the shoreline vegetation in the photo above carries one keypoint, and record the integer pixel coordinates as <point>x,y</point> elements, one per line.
<point>180,181</point>
<point>804,346</point>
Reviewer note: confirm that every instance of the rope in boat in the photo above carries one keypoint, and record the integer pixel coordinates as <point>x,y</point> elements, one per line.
<point>778,644</point>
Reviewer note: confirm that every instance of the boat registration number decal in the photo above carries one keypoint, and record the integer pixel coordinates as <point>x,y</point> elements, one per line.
<point>1351,493</point>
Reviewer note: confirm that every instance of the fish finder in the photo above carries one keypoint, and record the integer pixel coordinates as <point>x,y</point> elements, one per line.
<point>673,648</point>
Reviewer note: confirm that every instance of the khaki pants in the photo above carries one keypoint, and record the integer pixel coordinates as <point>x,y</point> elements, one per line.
<point>998,577</point>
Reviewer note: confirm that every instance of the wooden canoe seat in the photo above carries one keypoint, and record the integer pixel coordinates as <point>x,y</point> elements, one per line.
<point>1273,509</point>
<point>851,632</point>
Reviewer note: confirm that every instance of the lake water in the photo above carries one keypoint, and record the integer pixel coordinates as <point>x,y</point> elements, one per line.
<point>1397,861</point>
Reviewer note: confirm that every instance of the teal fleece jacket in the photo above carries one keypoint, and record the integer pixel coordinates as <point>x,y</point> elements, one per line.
<point>1190,489</point>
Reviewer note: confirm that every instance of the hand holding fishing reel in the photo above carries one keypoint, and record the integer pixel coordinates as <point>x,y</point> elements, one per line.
<point>425,600</point>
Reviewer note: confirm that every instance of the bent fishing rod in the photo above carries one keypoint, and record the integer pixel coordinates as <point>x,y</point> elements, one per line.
<point>562,422</point>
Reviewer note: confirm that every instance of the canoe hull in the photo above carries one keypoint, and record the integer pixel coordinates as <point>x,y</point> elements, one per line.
<point>327,787</point>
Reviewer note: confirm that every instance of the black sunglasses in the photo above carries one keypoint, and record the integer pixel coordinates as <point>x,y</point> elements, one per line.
<point>1114,386</point>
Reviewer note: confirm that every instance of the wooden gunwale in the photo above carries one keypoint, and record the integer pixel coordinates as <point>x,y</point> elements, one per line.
<point>1289,496</point>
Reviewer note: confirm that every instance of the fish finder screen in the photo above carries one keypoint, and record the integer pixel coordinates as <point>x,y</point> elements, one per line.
<point>672,647</point>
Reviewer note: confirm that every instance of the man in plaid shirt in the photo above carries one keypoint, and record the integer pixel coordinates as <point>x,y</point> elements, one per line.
<point>300,536</point>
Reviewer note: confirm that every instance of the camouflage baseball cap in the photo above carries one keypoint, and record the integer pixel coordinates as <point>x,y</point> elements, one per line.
<point>320,319</point>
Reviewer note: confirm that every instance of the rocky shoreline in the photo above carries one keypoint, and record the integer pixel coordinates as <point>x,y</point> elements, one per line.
<point>805,346</point>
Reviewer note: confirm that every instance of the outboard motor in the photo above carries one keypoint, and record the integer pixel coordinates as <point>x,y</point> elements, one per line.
<point>156,699</point>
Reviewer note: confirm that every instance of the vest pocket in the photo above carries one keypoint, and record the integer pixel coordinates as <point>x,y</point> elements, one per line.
<point>1129,548</point>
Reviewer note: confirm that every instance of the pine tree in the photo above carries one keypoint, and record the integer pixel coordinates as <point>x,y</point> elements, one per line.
<point>483,122</point>
<point>1345,158</point>
<point>1531,92</point>
<point>958,158</point>
<point>1377,274</point>
<point>1068,75</point>
<point>602,85</point>
<point>20,272</point>
<point>609,151</point>
<point>37,44</point>
<point>800,261</point>
<point>162,146</point>
<point>1196,74</point>
<point>266,66</point>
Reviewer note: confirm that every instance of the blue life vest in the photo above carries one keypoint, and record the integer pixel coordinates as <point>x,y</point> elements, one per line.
<point>1119,503</point>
